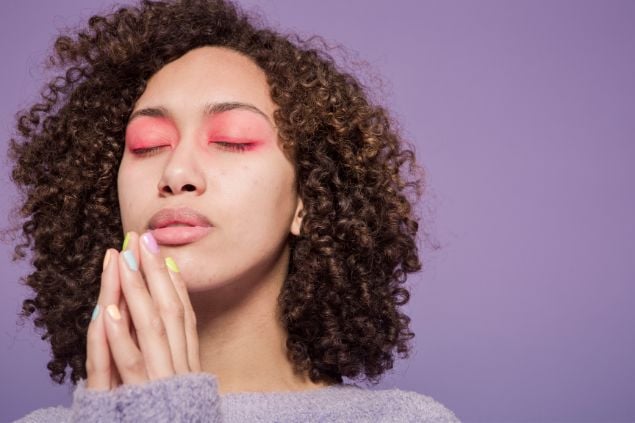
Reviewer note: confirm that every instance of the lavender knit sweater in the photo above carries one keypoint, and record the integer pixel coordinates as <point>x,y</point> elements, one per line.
<point>194,398</point>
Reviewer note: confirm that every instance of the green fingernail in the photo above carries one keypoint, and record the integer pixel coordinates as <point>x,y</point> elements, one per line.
<point>130,260</point>
<point>125,242</point>
<point>171,264</point>
<point>95,312</point>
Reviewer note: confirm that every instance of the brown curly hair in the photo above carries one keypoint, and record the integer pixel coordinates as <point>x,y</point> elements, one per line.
<point>339,303</point>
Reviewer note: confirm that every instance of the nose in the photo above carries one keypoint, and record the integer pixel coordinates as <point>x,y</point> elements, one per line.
<point>182,172</point>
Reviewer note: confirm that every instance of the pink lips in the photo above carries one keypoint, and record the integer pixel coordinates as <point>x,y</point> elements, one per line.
<point>178,226</point>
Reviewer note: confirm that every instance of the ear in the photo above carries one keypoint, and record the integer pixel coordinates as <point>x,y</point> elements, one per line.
<point>296,224</point>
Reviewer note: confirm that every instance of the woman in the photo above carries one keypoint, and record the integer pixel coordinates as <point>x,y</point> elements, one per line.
<point>264,218</point>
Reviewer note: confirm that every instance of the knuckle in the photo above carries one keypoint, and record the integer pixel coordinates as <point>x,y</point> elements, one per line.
<point>156,326</point>
<point>136,284</point>
<point>93,368</point>
<point>133,364</point>
<point>173,309</point>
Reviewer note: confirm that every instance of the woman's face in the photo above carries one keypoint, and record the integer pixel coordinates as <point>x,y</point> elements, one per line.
<point>203,170</point>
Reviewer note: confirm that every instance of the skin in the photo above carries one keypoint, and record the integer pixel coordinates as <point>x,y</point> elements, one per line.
<point>218,314</point>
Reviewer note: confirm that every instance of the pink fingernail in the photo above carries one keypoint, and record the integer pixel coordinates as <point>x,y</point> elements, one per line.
<point>150,242</point>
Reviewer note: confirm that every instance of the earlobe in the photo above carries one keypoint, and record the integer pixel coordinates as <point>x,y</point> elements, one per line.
<point>296,224</point>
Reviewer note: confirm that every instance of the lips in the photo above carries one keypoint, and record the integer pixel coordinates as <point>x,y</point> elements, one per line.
<point>178,226</point>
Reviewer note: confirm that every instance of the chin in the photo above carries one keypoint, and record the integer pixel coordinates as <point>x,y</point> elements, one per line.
<point>198,281</point>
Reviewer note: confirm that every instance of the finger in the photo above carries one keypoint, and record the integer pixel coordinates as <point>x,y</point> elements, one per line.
<point>151,332</point>
<point>191,332</point>
<point>99,364</point>
<point>125,314</point>
<point>115,377</point>
<point>166,299</point>
<point>127,357</point>
<point>112,294</point>
<point>123,310</point>
<point>127,245</point>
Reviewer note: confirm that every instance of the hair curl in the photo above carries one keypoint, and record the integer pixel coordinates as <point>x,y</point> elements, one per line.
<point>339,303</point>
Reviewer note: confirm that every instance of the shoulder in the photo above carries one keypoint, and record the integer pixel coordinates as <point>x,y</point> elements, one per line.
<point>47,415</point>
<point>413,405</point>
<point>390,405</point>
<point>338,403</point>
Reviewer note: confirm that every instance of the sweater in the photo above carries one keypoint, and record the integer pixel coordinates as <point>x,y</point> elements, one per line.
<point>194,397</point>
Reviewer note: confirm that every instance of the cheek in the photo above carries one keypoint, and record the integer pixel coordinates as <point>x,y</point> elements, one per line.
<point>132,187</point>
<point>125,195</point>
<point>125,177</point>
<point>261,200</point>
<point>138,174</point>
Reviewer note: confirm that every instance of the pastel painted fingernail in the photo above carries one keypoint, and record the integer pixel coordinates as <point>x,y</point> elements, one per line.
<point>106,260</point>
<point>169,261</point>
<point>131,261</point>
<point>95,312</point>
<point>126,240</point>
<point>113,311</point>
<point>150,242</point>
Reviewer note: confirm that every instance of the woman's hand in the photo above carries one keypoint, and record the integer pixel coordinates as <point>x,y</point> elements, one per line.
<point>145,327</point>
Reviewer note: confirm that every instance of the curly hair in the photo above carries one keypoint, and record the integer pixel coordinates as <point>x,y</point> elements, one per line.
<point>340,301</point>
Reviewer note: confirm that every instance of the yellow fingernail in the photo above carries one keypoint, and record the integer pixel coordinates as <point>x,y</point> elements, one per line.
<point>106,260</point>
<point>171,264</point>
<point>113,311</point>
<point>125,242</point>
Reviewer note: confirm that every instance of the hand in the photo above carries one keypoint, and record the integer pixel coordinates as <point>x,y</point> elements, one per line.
<point>155,335</point>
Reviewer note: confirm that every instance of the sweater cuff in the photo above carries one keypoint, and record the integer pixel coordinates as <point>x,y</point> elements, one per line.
<point>191,397</point>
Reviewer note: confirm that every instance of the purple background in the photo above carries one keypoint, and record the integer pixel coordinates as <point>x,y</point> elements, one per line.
<point>523,114</point>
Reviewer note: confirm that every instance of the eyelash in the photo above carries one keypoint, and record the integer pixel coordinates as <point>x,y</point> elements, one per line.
<point>231,146</point>
<point>234,146</point>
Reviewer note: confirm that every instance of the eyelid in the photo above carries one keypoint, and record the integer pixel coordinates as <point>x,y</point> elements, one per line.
<point>148,151</point>
<point>238,147</point>
<point>233,146</point>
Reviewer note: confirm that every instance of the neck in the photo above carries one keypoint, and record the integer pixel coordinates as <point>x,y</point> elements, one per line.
<point>241,338</point>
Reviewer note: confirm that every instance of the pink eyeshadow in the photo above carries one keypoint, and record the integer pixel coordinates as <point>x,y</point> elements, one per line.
<point>235,126</point>
<point>146,132</point>
<point>239,126</point>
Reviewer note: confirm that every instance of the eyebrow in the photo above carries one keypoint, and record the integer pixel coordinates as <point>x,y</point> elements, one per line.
<point>209,110</point>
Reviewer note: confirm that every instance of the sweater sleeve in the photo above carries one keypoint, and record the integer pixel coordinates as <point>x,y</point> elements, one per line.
<point>192,397</point>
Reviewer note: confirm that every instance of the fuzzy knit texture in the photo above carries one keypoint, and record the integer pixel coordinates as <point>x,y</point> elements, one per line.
<point>194,398</point>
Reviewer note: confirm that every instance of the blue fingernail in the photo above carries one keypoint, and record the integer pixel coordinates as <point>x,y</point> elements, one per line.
<point>95,312</point>
<point>130,260</point>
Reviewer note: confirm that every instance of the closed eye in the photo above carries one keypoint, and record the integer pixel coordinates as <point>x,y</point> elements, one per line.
<point>233,146</point>
<point>149,151</point>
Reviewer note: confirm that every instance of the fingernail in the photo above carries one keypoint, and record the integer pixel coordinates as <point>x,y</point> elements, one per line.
<point>113,311</point>
<point>126,240</point>
<point>150,242</point>
<point>95,312</point>
<point>106,260</point>
<point>169,261</point>
<point>128,256</point>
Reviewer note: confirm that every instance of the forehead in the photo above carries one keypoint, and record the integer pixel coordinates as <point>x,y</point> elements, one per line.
<point>207,75</point>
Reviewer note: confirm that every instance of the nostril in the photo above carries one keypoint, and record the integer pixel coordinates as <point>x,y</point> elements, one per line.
<point>167,189</point>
